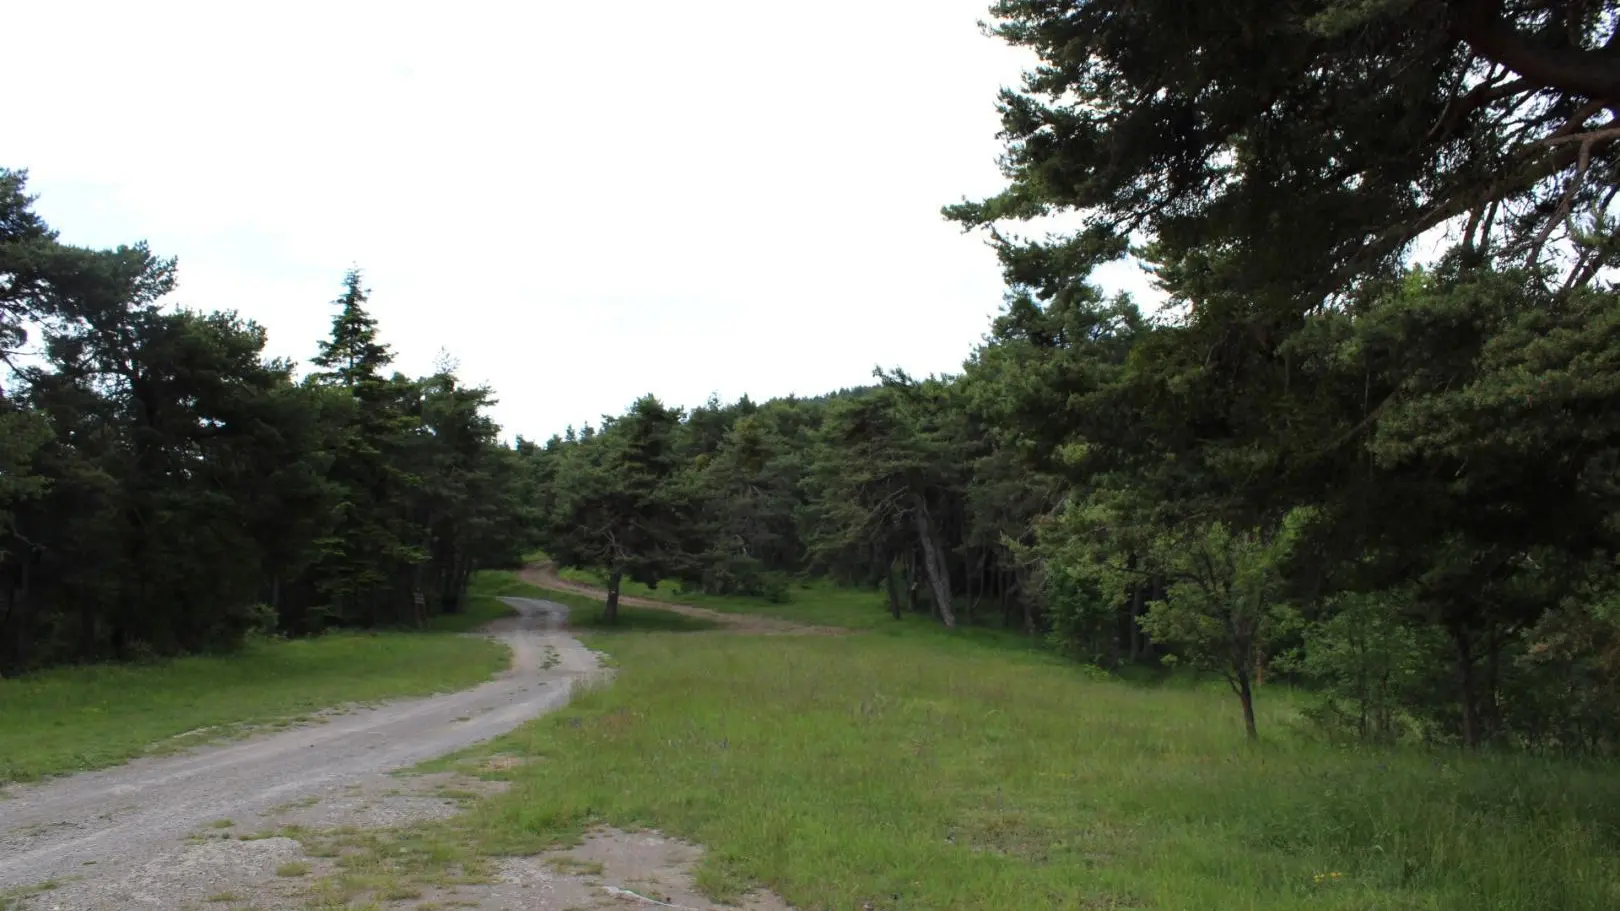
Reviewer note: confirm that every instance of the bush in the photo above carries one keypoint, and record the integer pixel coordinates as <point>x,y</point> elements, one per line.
<point>1368,661</point>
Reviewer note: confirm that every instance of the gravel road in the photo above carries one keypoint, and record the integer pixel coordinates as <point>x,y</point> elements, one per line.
<point>95,830</point>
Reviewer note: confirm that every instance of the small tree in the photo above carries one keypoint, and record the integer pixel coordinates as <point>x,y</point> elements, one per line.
<point>1223,605</point>
<point>1367,656</point>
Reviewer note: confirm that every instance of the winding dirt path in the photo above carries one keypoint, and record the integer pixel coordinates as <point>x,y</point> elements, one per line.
<point>545,576</point>
<point>116,838</point>
<point>196,830</point>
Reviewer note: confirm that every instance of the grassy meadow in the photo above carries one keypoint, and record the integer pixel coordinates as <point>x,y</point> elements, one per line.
<point>903,769</point>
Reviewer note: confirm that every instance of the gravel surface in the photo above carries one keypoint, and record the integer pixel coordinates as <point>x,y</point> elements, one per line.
<point>117,838</point>
<point>612,870</point>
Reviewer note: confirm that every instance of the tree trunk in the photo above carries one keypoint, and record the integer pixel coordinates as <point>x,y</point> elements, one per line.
<point>1136,617</point>
<point>1465,686</point>
<point>610,613</point>
<point>1490,719</point>
<point>975,586</point>
<point>894,590</point>
<point>1021,591</point>
<point>911,580</point>
<point>1246,694</point>
<point>934,562</point>
<point>15,624</point>
<point>454,586</point>
<point>1004,592</point>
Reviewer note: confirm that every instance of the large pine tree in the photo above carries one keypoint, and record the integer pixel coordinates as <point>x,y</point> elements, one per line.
<point>369,559</point>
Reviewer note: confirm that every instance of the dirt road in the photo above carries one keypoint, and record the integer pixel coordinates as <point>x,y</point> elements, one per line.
<point>112,838</point>
<point>545,576</point>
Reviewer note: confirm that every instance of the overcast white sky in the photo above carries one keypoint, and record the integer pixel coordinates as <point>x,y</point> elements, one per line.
<point>581,202</point>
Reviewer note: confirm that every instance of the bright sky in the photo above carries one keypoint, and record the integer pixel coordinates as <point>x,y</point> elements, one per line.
<point>580,202</point>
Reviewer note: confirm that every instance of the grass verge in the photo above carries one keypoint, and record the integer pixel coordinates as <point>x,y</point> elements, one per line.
<point>891,773</point>
<point>78,718</point>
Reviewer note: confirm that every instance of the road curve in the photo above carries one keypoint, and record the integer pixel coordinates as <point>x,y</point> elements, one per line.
<point>123,816</point>
<point>544,575</point>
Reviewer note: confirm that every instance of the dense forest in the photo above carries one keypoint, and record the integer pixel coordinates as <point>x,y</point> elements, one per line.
<point>1370,444</point>
<point>166,488</point>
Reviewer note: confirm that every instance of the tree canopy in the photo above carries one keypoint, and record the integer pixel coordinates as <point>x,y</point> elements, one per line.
<point>1307,146</point>
<point>166,488</point>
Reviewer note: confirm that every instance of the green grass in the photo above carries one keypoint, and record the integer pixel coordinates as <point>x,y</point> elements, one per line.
<point>77,718</point>
<point>11,899</point>
<point>897,772</point>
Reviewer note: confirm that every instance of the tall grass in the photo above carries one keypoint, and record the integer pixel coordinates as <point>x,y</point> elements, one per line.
<point>909,772</point>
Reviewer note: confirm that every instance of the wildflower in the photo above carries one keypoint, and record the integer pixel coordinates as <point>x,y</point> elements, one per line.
<point>1326,877</point>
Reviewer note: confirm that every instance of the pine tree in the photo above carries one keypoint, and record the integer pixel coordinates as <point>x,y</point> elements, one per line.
<point>351,356</point>
<point>368,567</point>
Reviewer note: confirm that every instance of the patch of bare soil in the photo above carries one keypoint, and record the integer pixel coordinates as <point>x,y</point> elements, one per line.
<point>260,861</point>
<point>545,575</point>
<point>611,870</point>
<point>294,858</point>
<point>616,869</point>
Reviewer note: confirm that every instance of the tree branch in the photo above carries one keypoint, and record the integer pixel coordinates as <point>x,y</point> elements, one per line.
<point>1593,74</point>
<point>1479,96</point>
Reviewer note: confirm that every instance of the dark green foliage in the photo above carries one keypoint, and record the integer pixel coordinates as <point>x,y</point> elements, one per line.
<point>752,483</point>
<point>165,488</point>
<point>873,486</point>
<point>615,500</point>
<point>1448,429</point>
<point>888,481</point>
<point>368,558</point>
<point>1310,142</point>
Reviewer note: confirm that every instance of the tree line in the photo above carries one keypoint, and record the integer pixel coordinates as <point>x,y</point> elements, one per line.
<point>1370,443</point>
<point>167,488</point>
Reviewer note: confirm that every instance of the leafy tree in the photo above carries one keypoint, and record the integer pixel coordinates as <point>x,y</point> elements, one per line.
<point>26,243</point>
<point>887,476</point>
<point>1370,661</point>
<point>22,435</point>
<point>616,502</point>
<point>1302,365</point>
<point>467,501</point>
<point>752,484</point>
<point>1224,603</point>
<point>165,488</point>
<point>1202,128</point>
